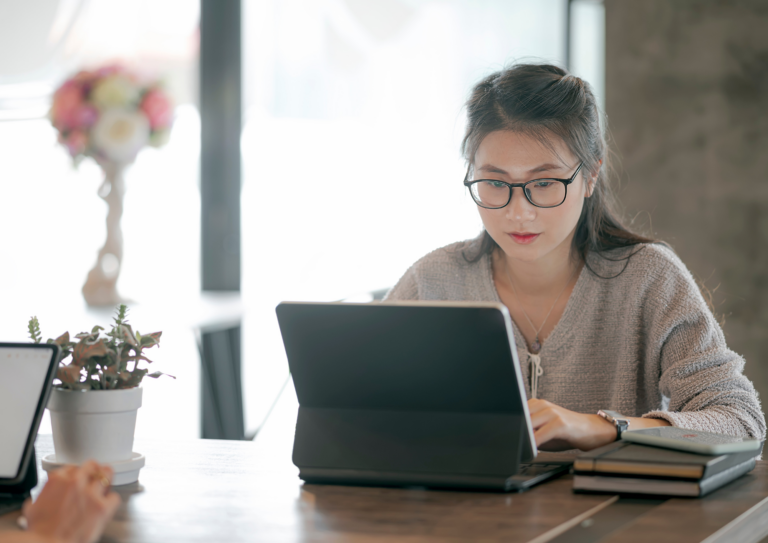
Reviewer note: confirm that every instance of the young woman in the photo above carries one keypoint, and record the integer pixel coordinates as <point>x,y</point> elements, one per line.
<point>604,319</point>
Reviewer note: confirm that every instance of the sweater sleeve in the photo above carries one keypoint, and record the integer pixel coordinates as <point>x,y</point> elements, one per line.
<point>700,375</point>
<point>406,288</point>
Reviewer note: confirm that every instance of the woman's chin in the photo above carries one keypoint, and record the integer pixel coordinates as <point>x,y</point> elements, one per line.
<point>527,253</point>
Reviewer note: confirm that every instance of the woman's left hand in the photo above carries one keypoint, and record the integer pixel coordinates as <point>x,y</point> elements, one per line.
<point>556,428</point>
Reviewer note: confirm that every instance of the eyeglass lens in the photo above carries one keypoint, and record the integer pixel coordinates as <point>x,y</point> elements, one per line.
<point>544,193</point>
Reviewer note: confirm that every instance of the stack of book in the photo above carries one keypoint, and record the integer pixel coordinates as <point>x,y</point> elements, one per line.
<point>630,468</point>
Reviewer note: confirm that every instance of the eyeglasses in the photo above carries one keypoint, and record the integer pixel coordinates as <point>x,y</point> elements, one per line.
<point>495,194</point>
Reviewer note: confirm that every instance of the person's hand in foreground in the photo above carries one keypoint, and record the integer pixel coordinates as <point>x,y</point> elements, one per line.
<point>557,428</point>
<point>73,507</point>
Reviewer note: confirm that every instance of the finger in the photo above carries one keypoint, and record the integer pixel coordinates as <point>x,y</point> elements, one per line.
<point>535,405</point>
<point>552,430</point>
<point>91,467</point>
<point>542,417</point>
<point>101,511</point>
<point>25,507</point>
<point>113,501</point>
<point>83,476</point>
<point>98,486</point>
<point>64,472</point>
<point>107,471</point>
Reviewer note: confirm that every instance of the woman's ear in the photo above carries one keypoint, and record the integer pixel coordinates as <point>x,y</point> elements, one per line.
<point>591,181</point>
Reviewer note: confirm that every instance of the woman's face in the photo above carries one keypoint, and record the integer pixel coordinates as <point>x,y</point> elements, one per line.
<point>523,231</point>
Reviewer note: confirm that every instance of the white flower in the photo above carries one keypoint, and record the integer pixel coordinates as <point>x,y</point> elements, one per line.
<point>120,134</point>
<point>114,91</point>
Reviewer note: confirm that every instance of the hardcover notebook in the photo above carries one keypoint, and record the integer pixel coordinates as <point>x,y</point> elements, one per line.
<point>640,469</point>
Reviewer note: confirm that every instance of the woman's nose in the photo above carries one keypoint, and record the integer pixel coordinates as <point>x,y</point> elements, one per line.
<point>519,208</point>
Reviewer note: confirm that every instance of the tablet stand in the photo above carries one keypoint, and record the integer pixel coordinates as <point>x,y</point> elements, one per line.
<point>12,496</point>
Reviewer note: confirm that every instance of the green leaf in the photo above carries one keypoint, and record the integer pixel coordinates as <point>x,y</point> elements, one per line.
<point>83,351</point>
<point>125,333</point>
<point>87,336</point>
<point>150,340</point>
<point>157,374</point>
<point>131,379</point>
<point>122,311</point>
<point>62,340</point>
<point>34,330</point>
<point>69,374</point>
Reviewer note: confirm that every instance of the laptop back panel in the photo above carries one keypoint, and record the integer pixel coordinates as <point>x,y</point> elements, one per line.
<point>410,389</point>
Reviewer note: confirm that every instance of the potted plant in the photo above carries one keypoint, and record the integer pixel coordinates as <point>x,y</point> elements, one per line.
<point>96,396</point>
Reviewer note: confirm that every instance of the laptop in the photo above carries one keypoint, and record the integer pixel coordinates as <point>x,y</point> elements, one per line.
<point>26,378</point>
<point>410,394</point>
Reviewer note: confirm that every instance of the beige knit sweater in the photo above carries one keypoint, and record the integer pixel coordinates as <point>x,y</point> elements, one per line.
<point>642,343</point>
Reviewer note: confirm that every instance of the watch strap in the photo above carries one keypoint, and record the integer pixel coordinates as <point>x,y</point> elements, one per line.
<point>617,419</point>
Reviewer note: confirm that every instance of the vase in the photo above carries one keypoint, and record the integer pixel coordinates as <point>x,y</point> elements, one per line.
<point>100,288</point>
<point>93,424</point>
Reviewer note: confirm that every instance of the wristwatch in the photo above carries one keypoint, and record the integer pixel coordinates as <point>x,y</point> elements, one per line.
<point>617,419</point>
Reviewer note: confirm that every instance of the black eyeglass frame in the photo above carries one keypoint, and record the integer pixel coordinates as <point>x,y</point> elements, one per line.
<point>565,182</point>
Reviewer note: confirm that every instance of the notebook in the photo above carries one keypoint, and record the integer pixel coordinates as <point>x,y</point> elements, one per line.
<point>630,468</point>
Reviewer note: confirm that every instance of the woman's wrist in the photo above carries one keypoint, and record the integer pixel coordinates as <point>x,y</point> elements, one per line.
<point>605,431</point>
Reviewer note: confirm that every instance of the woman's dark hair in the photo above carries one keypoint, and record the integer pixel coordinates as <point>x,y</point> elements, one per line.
<point>542,101</point>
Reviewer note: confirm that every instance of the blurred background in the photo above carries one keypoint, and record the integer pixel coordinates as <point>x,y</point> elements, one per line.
<point>348,118</point>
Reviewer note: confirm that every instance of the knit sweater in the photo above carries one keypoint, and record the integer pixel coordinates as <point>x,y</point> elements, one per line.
<point>641,341</point>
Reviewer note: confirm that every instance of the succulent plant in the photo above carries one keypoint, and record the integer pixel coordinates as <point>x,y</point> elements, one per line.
<point>102,360</point>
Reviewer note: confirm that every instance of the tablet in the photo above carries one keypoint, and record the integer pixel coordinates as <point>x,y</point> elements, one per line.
<point>27,371</point>
<point>408,393</point>
<point>695,441</point>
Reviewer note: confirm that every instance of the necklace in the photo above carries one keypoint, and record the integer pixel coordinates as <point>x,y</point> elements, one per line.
<point>536,345</point>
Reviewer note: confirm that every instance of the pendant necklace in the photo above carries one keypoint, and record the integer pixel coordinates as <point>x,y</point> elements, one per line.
<point>536,345</point>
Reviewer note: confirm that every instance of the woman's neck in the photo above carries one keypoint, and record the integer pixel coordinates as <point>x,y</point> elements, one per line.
<point>541,277</point>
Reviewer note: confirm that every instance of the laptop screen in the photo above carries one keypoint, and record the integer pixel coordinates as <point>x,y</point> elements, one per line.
<point>23,377</point>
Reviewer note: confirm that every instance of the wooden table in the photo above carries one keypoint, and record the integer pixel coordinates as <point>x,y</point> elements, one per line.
<point>207,491</point>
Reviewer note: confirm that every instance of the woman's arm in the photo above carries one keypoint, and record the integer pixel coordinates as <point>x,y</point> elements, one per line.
<point>557,428</point>
<point>700,375</point>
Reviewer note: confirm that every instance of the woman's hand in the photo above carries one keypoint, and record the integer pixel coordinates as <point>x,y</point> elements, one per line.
<point>74,506</point>
<point>557,428</point>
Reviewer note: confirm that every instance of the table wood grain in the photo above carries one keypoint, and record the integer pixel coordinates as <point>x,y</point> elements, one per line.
<point>207,491</point>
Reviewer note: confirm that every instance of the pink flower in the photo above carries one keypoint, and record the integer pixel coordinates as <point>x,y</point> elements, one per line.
<point>109,69</point>
<point>76,142</point>
<point>84,117</point>
<point>84,76</point>
<point>66,102</point>
<point>157,107</point>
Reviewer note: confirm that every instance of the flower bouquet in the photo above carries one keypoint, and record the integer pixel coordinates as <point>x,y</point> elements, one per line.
<point>110,114</point>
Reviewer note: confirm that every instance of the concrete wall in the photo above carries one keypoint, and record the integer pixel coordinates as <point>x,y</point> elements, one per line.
<point>687,103</point>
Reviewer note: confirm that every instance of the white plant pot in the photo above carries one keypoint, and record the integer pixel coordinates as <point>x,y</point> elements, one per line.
<point>93,424</point>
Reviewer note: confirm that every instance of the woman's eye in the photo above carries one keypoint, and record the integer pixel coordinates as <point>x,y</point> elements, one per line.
<point>497,184</point>
<point>543,184</point>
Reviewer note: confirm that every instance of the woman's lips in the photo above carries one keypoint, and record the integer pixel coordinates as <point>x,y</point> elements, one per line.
<point>523,238</point>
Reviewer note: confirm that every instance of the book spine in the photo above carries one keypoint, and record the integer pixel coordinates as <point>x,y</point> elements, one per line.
<point>724,477</point>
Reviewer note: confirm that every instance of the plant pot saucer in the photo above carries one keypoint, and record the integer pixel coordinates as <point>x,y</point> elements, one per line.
<point>126,471</point>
